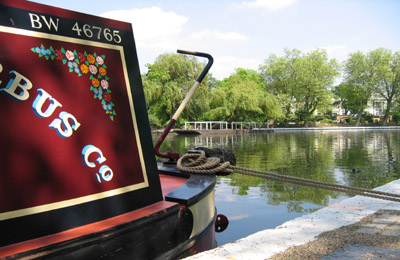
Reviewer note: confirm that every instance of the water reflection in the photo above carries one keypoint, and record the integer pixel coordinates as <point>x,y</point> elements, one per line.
<point>356,158</point>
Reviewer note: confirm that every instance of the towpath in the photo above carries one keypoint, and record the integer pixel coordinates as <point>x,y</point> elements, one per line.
<point>356,228</point>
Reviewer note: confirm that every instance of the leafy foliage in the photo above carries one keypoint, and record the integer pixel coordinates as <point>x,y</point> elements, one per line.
<point>241,98</point>
<point>292,87</point>
<point>166,84</point>
<point>375,74</point>
<point>301,81</point>
<point>387,80</point>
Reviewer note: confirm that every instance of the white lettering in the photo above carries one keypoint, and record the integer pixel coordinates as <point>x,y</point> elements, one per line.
<point>39,101</point>
<point>63,120</point>
<point>87,151</point>
<point>105,174</point>
<point>50,23</point>
<point>35,21</point>
<point>18,86</point>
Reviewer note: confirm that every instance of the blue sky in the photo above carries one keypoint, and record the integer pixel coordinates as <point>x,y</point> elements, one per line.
<point>243,33</point>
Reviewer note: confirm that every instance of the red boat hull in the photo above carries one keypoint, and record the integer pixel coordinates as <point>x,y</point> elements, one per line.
<point>163,230</point>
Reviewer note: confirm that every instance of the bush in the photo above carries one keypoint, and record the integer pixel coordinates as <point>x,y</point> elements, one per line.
<point>351,120</point>
<point>367,118</point>
<point>328,121</point>
<point>154,121</point>
<point>396,117</point>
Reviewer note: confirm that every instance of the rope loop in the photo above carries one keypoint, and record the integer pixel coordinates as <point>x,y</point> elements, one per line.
<point>198,163</point>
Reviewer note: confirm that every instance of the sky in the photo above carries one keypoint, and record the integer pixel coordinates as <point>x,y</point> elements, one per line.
<point>244,33</point>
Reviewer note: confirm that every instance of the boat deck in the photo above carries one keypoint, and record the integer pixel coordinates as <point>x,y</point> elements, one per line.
<point>170,183</point>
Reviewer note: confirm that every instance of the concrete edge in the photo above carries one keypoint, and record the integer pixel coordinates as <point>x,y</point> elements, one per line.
<point>337,128</point>
<point>304,229</point>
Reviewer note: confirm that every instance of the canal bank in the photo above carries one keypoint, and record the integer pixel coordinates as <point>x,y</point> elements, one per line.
<point>356,228</point>
<point>278,129</point>
<point>336,128</point>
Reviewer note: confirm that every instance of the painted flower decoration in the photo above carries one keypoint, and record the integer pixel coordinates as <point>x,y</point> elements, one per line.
<point>100,60</point>
<point>91,59</point>
<point>98,93</point>
<point>102,71</point>
<point>93,69</point>
<point>81,57</point>
<point>107,96</point>
<point>95,82</point>
<point>58,55</point>
<point>70,55</point>
<point>104,84</point>
<point>92,65</point>
<point>84,68</point>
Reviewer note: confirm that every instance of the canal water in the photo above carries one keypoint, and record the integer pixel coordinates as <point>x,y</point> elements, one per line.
<point>358,158</point>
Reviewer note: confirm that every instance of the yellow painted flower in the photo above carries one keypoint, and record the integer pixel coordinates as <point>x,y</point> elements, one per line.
<point>91,59</point>
<point>95,82</point>
<point>84,68</point>
<point>102,71</point>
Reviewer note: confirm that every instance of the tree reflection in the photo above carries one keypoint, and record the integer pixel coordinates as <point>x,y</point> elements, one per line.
<point>356,158</point>
<point>369,159</point>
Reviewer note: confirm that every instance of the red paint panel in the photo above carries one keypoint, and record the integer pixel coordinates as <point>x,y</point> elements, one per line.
<point>37,165</point>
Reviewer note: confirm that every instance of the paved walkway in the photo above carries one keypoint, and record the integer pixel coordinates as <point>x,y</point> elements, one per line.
<point>362,219</point>
<point>362,252</point>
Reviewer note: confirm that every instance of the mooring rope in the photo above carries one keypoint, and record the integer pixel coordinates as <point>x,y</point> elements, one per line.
<point>198,163</point>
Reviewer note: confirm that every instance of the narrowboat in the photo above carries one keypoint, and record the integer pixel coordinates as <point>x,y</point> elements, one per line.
<point>79,177</point>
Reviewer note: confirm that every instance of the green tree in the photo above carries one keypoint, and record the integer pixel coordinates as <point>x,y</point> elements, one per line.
<point>303,81</point>
<point>167,82</point>
<point>355,98</point>
<point>240,97</point>
<point>340,97</point>
<point>376,74</point>
<point>152,92</point>
<point>280,76</point>
<point>359,77</point>
<point>387,80</point>
<point>315,79</point>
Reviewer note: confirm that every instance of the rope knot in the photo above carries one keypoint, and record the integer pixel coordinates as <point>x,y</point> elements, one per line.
<point>198,163</point>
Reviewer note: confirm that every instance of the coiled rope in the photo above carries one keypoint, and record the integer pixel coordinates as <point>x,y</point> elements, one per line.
<point>198,163</point>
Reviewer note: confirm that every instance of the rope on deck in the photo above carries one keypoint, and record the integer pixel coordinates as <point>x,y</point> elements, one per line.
<point>198,163</point>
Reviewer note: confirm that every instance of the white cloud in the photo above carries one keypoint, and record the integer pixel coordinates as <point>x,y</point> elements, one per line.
<point>207,34</point>
<point>272,5</point>
<point>157,31</point>
<point>339,52</point>
<point>152,27</point>
<point>224,66</point>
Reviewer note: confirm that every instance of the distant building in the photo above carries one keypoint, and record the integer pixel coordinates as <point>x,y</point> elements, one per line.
<point>376,107</point>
